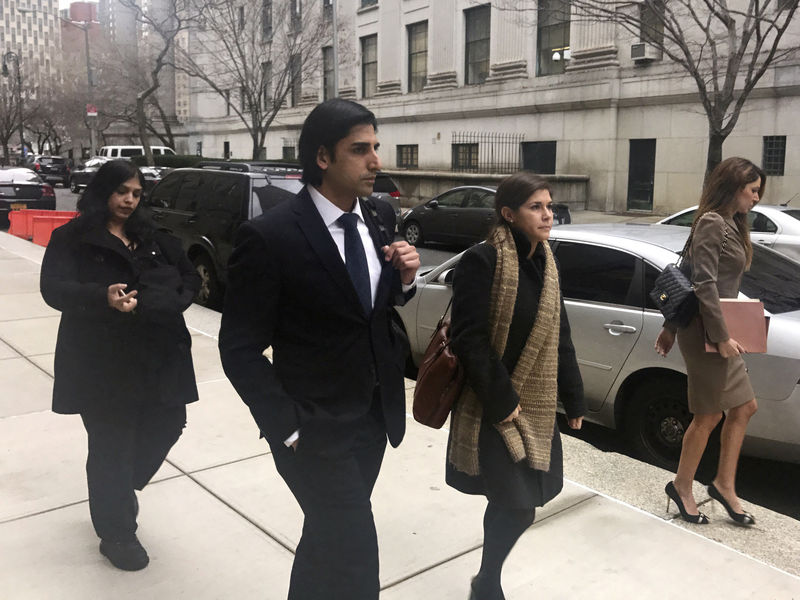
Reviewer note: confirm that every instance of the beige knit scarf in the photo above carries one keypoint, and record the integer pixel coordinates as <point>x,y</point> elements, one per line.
<point>529,436</point>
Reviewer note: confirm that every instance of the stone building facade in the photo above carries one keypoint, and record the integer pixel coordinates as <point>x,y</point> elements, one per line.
<point>460,85</point>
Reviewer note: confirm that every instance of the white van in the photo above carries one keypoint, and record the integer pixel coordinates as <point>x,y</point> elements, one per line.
<point>128,151</point>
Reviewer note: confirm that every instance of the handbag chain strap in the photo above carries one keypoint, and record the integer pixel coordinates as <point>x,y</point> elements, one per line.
<point>688,243</point>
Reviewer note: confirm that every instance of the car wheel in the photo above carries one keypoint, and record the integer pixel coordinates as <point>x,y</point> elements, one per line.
<point>73,186</point>
<point>657,416</point>
<point>210,292</point>
<point>413,233</point>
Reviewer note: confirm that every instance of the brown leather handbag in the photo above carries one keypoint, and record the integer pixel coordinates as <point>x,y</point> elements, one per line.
<point>439,379</point>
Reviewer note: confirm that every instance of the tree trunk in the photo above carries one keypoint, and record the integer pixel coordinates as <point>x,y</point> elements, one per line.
<point>141,121</point>
<point>714,156</point>
<point>6,155</point>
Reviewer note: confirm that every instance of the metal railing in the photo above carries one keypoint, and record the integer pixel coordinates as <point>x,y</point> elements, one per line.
<point>486,151</point>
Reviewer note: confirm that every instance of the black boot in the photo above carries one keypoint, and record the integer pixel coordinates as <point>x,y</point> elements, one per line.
<point>128,556</point>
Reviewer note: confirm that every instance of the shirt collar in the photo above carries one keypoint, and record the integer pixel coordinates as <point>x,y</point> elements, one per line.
<point>328,210</point>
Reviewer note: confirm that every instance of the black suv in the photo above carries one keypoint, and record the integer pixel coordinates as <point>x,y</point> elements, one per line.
<point>204,206</point>
<point>53,169</point>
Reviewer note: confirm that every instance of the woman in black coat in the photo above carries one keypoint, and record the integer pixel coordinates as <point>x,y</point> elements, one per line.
<point>512,337</point>
<point>123,355</point>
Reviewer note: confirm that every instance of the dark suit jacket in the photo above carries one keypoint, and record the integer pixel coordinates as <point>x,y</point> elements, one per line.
<point>288,288</point>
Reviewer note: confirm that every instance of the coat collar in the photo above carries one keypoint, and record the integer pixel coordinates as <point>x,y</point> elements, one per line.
<point>101,237</point>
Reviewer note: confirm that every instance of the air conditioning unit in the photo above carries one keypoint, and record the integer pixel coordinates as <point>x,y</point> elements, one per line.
<point>644,52</point>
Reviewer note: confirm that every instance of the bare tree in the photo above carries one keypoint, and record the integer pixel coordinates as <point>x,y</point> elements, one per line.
<point>724,46</point>
<point>8,119</point>
<point>259,53</point>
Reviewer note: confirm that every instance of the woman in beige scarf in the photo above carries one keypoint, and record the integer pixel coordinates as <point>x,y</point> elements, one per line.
<point>512,336</point>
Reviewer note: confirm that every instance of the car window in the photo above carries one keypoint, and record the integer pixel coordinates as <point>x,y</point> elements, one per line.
<point>226,194</point>
<point>760,223</point>
<point>384,185</point>
<point>480,199</point>
<point>773,279</point>
<point>684,220</point>
<point>794,213</point>
<point>598,274</point>
<point>268,196</point>
<point>128,152</point>
<point>650,274</point>
<point>189,192</point>
<point>165,193</point>
<point>454,198</point>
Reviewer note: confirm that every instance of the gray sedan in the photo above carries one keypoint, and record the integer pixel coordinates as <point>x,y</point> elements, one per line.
<point>773,226</point>
<point>606,273</point>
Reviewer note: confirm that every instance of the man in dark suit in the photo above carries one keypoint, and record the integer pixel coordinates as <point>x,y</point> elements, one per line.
<point>315,278</point>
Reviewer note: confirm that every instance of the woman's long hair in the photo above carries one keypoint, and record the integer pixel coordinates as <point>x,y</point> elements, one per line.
<point>93,203</point>
<point>720,191</point>
<point>514,191</point>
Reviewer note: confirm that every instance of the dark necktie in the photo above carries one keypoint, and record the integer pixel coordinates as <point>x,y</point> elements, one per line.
<point>355,260</point>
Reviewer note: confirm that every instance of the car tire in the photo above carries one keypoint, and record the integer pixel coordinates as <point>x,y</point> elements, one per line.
<point>656,418</point>
<point>73,186</point>
<point>210,292</point>
<point>413,233</point>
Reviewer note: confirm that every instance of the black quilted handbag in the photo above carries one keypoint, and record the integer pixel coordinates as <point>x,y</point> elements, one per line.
<point>673,292</point>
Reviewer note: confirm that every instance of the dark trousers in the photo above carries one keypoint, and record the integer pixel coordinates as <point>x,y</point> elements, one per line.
<point>126,448</point>
<point>337,557</point>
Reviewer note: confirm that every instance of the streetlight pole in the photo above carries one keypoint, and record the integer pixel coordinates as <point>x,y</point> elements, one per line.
<point>15,57</point>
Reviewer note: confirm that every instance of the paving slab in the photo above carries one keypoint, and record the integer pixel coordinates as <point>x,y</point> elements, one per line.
<point>199,549</point>
<point>205,356</point>
<point>25,387</point>
<point>18,283</point>
<point>596,550</point>
<point>19,265</point>
<point>7,351</point>
<point>219,430</point>
<point>31,336</point>
<point>24,306</point>
<point>43,466</point>
<point>44,362</point>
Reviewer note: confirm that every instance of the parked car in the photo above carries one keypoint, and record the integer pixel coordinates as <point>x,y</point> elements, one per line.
<point>606,273</point>
<point>460,216</point>
<point>204,206</point>
<point>81,176</point>
<point>774,226</point>
<point>386,189</point>
<point>52,169</point>
<point>152,175</point>
<point>23,188</point>
<point>132,150</point>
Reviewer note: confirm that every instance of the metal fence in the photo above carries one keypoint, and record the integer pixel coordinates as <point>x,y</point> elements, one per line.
<point>486,151</point>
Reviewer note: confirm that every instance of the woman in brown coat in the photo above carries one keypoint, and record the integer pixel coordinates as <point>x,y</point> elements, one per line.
<point>512,337</point>
<point>719,252</point>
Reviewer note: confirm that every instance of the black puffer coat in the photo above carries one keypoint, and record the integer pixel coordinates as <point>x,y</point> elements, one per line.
<point>105,357</point>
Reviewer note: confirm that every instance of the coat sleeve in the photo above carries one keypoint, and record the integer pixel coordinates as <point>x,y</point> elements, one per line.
<point>171,246</point>
<point>570,383</point>
<point>709,235</point>
<point>484,370</point>
<point>59,282</point>
<point>248,324</point>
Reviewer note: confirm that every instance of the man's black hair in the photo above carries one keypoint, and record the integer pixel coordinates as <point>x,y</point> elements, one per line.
<point>328,123</point>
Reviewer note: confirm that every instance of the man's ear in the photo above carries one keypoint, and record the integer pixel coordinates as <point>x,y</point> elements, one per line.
<point>323,158</point>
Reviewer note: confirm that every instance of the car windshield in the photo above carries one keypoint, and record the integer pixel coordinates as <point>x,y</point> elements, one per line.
<point>773,279</point>
<point>18,176</point>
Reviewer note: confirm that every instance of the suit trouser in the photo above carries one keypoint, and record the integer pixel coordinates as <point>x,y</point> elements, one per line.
<point>126,448</point>
<point>337,557</point>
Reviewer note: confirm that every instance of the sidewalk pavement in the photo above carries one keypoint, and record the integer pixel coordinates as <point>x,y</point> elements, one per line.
<point>219,523</point>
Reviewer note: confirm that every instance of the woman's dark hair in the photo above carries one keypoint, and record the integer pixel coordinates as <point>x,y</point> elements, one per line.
<point>328,123</point>
<point>515,190</point>
<point>93,203</point>
<point>720,191</point>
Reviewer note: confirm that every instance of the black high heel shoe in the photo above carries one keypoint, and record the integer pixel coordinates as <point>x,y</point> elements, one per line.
<point>672,494</point>
<point>742,518</point>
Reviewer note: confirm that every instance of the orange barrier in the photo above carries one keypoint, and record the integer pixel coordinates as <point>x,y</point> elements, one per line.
<point>21,221</point>
<point>43,227</point>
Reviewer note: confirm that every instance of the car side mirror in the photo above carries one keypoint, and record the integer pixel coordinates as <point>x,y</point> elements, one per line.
<point>433,204</point>
<point>448,277</point>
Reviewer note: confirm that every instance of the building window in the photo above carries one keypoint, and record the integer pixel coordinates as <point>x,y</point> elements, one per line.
<point>539,157</point>
<point>296,83</point>
<point>242,98</point>
<point>365,3</point>
<point>408,156</point>
<point>227,103</point>
<point>465,157</point>
<point>327,73</point>
<point>297,14</point>
<point>552,42</point>
<point>774,154</point>
<point>266,85</point>
<point>266,19</point>
<point>288,153</point>
<point>241,18</point>
<point>417,56</point>
<point>476,55</point>
<point>369,66</point>
<point>327,9</point>
<point>651,17</point>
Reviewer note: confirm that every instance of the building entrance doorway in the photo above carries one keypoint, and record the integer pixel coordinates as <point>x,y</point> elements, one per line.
<point>641,172</point>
